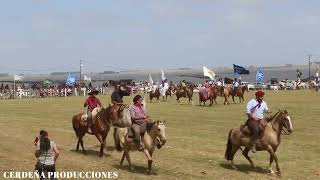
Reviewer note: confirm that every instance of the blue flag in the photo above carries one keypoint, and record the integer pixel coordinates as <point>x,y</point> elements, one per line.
<point>240,70</point>
<point>71,80</point>
<point>260,76</point>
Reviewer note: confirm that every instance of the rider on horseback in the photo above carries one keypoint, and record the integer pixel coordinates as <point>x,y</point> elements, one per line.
<point>139,120</point>
<point>183,86</point>
<point>220,84</point>
<point>92,102</point>
<point>236,85</point>
<point>255,110</point>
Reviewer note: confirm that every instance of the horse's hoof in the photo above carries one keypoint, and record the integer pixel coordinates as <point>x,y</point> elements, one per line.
<point>131,168</point>
<point>279,174</point>
<point>234,167</point>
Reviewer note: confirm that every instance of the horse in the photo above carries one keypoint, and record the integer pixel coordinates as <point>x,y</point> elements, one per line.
<point>222,92</point>
<point>103,119</point>
<point>239,93</point>
<point>271,138</point>
<point>169,92</point>
<point>207,94</point>
<point>154,134</point>
<point>155,94</point>
<point>180,92</point>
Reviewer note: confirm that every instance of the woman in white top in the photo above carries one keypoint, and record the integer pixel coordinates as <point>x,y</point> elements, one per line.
<point>47,154</point>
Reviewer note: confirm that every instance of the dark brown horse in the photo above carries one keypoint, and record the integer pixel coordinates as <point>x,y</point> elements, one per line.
<point>155,94</point>
<point>207,94</point>
<point>186,92</point>
<point>269,140</point>
<point>102,122</point>
<point>169,92</point>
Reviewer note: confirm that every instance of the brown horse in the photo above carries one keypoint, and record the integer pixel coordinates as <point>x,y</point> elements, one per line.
<point>207,94</point>
<point>271,138</point>
<point>239,93</point>
<point>155,94</point>
<point>169,92</point>
<point>187,93</point>
<point>103,120</point>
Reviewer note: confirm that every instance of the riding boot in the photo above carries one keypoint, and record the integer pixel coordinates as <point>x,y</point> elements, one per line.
<point>253,148</point>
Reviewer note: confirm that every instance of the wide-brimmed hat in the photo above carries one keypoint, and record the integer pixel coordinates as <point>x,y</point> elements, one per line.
<point>259,93</point>
<point>93,92</point>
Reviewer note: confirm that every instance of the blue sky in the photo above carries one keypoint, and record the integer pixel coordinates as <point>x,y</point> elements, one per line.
<point>43,35</point>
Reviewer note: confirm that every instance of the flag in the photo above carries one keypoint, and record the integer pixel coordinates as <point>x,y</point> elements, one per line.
<point>228,80</point>
<point>17,78</point>
<point>71,80</point>
<point>162,76</point>
<point>240,70</point>
<point>299,73</point>
<point>86,78</point>
<point>150,80</point>
<point>208,73</point>
<point>260,76</point>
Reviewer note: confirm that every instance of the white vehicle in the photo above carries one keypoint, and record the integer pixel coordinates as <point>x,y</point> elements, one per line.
<point>249,86</point>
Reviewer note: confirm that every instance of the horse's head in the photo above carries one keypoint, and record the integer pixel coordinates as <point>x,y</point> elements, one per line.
<point>158,128</point>
<point>285,121</point>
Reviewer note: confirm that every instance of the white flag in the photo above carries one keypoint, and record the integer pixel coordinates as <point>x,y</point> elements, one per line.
<point>162,76</point>
<point>208,73</point>
<point>17,78</point>
<point>86,78</point>
<point>150,80</point>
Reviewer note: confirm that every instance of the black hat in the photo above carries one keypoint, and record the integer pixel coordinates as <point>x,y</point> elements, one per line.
<point>93,92</point>
<point>136,98</point>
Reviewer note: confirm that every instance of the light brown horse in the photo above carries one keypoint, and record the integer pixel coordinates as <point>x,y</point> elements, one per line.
<point>154,135</point>
<point>207,94</point>
<point>187,93</point>
<point>222,92</point>
<point>270,140</point>
<point>103,120</point>
<point>155,94</point>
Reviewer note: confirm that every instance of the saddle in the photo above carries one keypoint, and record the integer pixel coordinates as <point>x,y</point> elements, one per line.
<point>246,131</point>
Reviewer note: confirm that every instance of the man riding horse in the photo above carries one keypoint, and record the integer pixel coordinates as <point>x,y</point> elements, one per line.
<point>220,85</point>
<point>235,85</point>
<point>92,102</point>
<point>139,120</point>
<point>255,110</point>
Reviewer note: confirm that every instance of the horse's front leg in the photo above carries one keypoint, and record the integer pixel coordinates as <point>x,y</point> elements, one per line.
<point>274,156</point>
<point>146,152</point>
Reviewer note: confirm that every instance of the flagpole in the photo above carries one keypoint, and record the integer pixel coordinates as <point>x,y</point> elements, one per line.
<point>14,88</point>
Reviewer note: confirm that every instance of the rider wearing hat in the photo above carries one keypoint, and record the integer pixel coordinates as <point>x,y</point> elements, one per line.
<point>92,102</point>
<point>139,120</point>
<point>255,110</point>
<point>116,96</point>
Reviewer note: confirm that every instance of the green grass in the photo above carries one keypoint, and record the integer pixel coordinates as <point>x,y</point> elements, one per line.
<point>196,138</point>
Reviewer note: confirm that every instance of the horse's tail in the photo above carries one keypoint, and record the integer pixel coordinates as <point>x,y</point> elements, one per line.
<point>119,136</point>
<point>75,124</point>
<point>228,154</point>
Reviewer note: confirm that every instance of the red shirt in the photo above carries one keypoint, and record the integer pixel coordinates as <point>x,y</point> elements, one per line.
<point>92,102</point>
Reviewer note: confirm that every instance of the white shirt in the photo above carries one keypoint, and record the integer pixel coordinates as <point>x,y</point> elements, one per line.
<point>236,84</point>
<point>253,107</point>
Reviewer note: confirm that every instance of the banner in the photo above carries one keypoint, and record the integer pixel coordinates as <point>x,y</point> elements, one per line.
<point>86,78</point>
<point>150,81</point>
<point>260,76</point>
<point>240,70</point>
<point>71,80</point>
<point>299,73</point>
<point>162,75</point>
<point>208,73</point>
<point>17,78</point>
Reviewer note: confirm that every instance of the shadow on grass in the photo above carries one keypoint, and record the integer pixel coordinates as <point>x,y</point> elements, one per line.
<point>136,169</point>
<point>90,152</point>
<point>245,168</point>
<point>108,148</point>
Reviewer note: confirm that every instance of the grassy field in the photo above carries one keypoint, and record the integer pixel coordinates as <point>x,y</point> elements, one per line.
<point>196,139</point>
